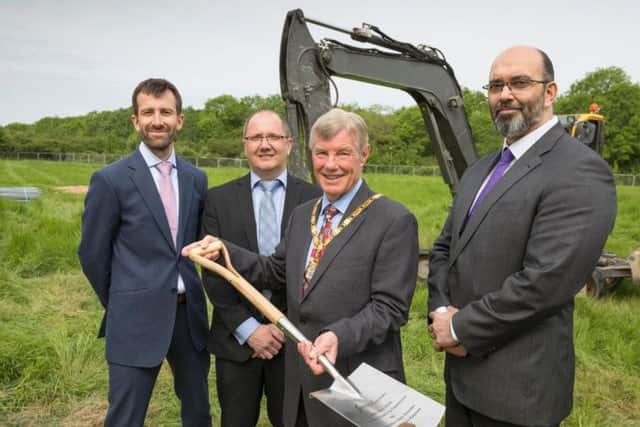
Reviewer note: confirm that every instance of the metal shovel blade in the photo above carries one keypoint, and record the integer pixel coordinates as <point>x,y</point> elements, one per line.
<point>384,402</point>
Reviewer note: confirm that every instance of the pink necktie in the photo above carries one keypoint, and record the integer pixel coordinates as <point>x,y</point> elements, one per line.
<point>168,197</point>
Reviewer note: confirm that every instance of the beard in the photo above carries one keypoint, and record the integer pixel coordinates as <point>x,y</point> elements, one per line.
<point>516,124</point>
<point>158,141</point>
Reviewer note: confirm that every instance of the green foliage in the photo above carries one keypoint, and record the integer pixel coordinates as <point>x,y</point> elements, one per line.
<point>398,136</point>
<point>485,137</point>
<point>412,145</point>
<point>4,143</point>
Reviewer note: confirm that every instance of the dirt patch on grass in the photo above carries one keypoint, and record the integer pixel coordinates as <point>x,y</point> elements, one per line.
<point>75,189</point>
<point>89,413</point>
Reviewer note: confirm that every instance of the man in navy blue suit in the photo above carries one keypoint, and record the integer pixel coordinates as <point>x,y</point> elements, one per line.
<point>137,212</point>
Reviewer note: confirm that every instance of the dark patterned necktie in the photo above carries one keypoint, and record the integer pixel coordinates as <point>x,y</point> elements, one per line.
<point>317,252</point>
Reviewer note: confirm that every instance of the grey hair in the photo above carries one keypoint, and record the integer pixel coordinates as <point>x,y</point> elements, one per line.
<point>333,121</point>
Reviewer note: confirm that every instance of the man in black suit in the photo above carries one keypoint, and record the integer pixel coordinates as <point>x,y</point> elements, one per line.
<point>248,348</point>
<point>137,212</point>
<point>525,230</point>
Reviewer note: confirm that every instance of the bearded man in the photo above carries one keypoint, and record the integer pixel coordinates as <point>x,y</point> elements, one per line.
<point>525,230</point>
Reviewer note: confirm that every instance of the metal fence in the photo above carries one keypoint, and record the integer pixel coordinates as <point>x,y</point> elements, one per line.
<point>220,162</point>
<point>223,162</point>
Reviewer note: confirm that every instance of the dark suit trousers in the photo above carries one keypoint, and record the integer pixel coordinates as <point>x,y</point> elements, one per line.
<point>130,387</point>
<point>458,415</point>
<point>240,387</point>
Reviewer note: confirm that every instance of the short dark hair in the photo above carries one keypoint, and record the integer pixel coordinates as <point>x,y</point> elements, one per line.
<point>547,66</point>
<point>155,87</point>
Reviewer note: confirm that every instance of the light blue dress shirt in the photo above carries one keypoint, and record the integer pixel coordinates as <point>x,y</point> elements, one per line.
<point>249,326</point>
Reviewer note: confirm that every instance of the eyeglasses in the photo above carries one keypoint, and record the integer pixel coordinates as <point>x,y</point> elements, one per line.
<point>515,85</point>
<point>256,139</point>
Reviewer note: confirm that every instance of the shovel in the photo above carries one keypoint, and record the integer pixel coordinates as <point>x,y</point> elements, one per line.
<point>368,397</point>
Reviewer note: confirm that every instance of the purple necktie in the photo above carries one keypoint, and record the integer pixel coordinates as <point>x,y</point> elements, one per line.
<point>505,159</point>
<point>168,197</point>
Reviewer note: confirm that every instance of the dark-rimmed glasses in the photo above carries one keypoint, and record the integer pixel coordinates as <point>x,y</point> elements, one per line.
<point>256,139</point>
<point>514,85</point>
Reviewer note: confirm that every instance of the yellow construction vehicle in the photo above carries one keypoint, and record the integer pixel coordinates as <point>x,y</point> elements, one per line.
<point>587,128</point>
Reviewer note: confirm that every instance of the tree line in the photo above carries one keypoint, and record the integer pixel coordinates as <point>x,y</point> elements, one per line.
<point>398,136</point>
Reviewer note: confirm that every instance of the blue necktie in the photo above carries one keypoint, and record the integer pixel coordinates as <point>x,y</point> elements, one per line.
<point>505,159</point>
<point>268,233</point>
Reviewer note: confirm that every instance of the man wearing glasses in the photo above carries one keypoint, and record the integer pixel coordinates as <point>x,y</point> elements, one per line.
<point>251,212</point>
<point>525,230</point>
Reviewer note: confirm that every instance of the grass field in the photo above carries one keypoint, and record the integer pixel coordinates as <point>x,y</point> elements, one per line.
<point>52,368</point>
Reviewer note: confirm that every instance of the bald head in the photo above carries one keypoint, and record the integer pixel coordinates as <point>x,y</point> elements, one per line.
<point>521,91</point>
<point>534,59</point>
<point>267,115</point>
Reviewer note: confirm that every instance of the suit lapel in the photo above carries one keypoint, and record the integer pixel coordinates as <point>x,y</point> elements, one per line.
<point>142,179</point>
<point>244,208</point>
<point>527,163</point>
<point>185,182</point>
<point>298,244</point>
<point>341,239</point>
<point>467,195</point>
<point>291,200</point>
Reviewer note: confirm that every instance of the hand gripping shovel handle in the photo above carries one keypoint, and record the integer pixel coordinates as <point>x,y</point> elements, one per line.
<point>258,300</point>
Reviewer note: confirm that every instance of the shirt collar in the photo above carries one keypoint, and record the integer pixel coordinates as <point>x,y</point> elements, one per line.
<point>343,202</point>
<point>520,146</point>
<point>255,179</point>
<point>151,159</point>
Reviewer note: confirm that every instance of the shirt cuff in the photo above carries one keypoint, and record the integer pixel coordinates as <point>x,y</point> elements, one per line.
<point>245,330</point>
<point>443,309</point>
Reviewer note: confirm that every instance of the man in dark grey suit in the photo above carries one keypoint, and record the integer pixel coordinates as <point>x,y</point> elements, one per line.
<point>349,262</point>
<point>525,230</point>
<point>247,347</point>
<point>137,212</point>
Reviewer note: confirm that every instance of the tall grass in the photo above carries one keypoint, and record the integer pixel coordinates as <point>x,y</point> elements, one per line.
<point>52,368</point>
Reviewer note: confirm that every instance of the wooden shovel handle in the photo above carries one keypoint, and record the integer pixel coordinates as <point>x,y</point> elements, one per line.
<point>254,296</point>
<point>274,315</point>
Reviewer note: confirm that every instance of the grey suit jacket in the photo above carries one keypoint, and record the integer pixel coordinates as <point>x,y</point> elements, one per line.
<point>129,257</point>
<point>514,270</point>
<point>229,215</point>
<point>361,290</point>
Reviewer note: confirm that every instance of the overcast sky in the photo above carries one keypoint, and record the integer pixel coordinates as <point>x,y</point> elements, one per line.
<point>70,57</point>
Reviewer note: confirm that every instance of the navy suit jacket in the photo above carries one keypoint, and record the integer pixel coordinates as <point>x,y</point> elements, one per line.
<point>128,256</point>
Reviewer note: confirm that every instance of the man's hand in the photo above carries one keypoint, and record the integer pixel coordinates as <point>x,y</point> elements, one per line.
<point>440,331</point>
<point>203,245</point>
<point>456,350</point>
<point>266,341</point>
<point>326,343</point>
